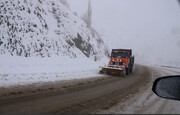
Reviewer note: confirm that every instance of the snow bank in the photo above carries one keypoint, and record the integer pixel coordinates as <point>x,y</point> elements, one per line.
<point>21,70</point>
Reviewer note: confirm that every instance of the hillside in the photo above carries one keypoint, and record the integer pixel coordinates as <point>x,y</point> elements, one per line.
<point>31,28</point>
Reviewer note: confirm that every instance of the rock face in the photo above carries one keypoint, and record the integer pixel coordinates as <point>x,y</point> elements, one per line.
<point>45,28</point>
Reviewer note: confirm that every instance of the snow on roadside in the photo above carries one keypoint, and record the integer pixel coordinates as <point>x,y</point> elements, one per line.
<point>169,70</point>
<point>22,71</point>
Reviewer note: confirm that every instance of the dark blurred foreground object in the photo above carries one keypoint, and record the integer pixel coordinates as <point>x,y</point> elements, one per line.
<point>167,87</point>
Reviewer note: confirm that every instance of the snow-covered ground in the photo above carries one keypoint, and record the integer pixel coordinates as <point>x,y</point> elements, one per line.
<point>21,70</point>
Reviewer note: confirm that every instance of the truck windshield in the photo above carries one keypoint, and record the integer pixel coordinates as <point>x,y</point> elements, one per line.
<point>119,54</point>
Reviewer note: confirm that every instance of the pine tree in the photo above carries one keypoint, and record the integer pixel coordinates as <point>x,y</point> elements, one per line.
<point>65,2</point>
<point>87,17</point>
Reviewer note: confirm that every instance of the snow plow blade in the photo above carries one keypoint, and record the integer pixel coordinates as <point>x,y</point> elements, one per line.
<point>112,71</point>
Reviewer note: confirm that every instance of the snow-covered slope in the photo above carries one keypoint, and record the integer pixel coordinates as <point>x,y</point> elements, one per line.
<point>45,28</point>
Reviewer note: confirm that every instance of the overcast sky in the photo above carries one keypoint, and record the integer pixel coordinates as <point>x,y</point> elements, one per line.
<point>150,27</point>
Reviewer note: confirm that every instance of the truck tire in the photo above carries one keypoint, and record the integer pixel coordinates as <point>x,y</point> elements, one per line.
<point>131,69</point>
<point>127,71</point>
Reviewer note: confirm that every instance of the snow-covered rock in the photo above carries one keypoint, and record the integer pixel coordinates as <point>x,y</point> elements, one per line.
<point>44,28</point>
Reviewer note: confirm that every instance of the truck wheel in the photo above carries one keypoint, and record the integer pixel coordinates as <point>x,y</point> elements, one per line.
<point>131,69</point>
<point>127,71</point>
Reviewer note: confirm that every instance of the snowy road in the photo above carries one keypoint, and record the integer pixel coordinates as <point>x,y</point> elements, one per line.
<point>145,101</point>
<point>107,94</point>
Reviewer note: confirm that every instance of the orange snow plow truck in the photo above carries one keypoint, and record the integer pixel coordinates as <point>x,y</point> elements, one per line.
<point>120,64</point>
